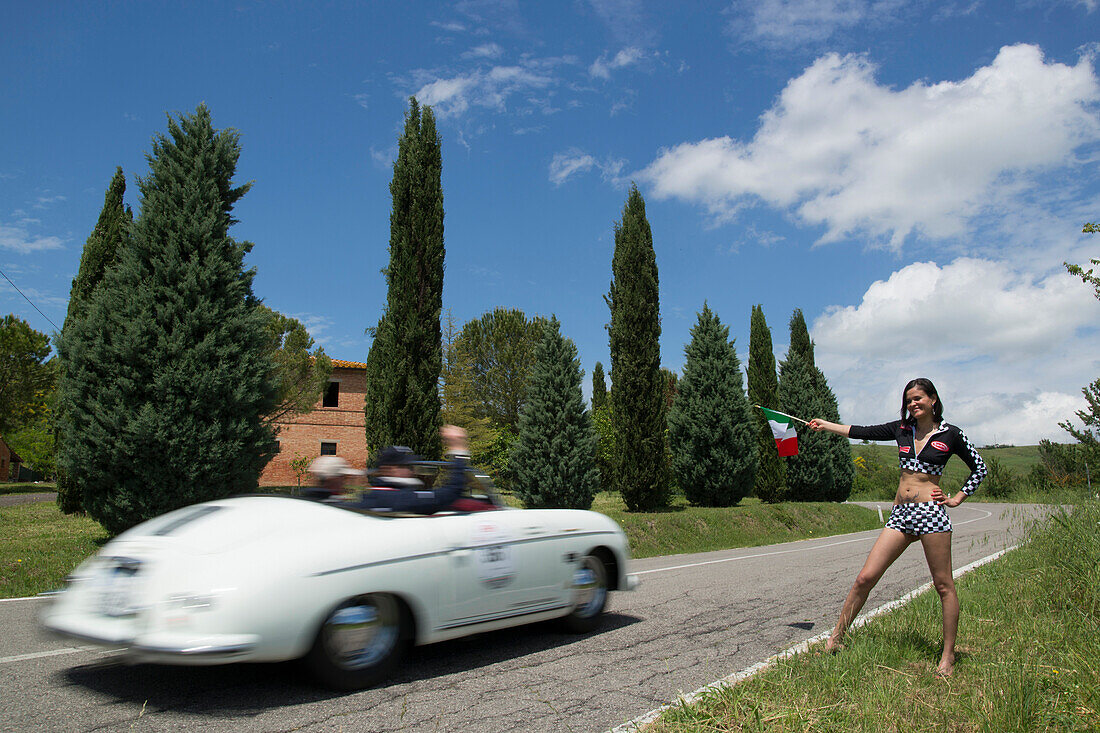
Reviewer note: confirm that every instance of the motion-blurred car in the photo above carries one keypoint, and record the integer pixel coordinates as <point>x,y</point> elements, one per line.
<point>271,578</point>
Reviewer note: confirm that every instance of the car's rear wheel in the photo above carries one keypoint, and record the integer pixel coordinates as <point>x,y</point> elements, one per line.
<point>589,594</point>
<point>359,642</point>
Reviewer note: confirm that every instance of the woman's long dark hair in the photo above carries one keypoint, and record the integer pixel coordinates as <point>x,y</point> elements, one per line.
<point>926,386</point>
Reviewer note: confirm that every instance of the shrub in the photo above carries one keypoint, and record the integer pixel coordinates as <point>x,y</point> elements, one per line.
<point>1001,480</point>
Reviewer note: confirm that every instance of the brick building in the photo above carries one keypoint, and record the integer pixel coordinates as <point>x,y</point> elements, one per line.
<point>9,463</point>
<point>335,427</point>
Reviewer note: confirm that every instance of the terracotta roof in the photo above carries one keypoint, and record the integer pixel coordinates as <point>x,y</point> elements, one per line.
<point>348,364</point>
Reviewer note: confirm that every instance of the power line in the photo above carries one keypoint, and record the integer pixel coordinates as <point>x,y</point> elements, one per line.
<point>29,300</point>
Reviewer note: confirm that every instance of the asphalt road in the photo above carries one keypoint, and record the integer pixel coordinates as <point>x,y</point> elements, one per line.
<point>13,499</point>
<point>695,619</point>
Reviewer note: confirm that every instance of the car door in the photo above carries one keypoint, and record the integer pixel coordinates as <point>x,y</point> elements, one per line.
<point>495,567</point>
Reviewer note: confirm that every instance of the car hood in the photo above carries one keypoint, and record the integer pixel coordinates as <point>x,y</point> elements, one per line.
<point>222,526</point>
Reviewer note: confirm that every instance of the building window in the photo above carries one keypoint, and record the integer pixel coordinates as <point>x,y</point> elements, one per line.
<point>328,449</point>
<point>332,395</point>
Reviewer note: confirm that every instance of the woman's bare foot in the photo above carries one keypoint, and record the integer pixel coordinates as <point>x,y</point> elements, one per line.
<point>947,665</point>
<point>833,645</point>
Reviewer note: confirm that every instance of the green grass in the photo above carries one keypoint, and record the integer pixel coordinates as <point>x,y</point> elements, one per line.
<point>41,546</point>
<point>25,487</point>
<point>684,528</point>
<point>1028,656</point>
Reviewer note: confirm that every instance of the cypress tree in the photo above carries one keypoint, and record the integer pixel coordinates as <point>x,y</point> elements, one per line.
<point>599,387</point>
<point>406,358</point>
<point>637,385</point>
<point>101,250</point>
<point>169,374</point>
<point>377,426</point>
<point>771,482</point>
<point>822,470</point>
<point>554,456</point>
<point>102,246</point>
<point>711,429</point>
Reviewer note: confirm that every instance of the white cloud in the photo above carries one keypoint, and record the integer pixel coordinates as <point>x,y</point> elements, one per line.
<point>43,201</point>
<point>484,51</point>
<point>626,20</point>
<point>18,239</point>
<point>41,298</point>
<point>974,307</point>
<point>1009,350</point>
<point>566,164</point>
<point>450,27</point>
<point>603,66</point>
<point>786,22</point>
<point>573,161</point>
<point>860,158</point>
<point>491,89</point>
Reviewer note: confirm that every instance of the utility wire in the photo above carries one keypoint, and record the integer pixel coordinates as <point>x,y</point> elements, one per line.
<point>29,300</point>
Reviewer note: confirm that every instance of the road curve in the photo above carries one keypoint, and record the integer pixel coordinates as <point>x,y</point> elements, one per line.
<point>695,619</point>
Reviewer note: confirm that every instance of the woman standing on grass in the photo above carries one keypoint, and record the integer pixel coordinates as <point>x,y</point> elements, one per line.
<point>925,442</point>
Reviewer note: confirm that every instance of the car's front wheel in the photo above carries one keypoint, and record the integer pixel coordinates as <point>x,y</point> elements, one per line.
<point>589,594</point>
<point>359,642</point>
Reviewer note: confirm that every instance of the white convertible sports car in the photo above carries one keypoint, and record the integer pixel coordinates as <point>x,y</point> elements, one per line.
<point>270,578</point>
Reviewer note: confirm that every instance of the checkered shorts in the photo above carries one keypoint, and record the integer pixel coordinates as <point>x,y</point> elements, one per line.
<point>924,517</point>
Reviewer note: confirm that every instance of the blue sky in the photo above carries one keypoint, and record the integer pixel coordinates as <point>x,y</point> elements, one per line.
<point>910,174</point>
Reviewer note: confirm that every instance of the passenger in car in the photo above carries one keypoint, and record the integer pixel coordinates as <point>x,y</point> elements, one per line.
<point>332,474</point>
<point>455,473</point>
<point>394,487</point>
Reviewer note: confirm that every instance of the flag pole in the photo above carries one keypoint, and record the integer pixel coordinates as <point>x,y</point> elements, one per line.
<point>777,412</point>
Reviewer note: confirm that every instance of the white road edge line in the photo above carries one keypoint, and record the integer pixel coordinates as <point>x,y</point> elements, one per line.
<point>54,653</point>
<point>641,721</point>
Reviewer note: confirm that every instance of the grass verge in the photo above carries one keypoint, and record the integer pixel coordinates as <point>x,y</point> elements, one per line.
<point>683,528</point>
<point>27,487</point>
<point>41,546</point>
<point>1028,656</point>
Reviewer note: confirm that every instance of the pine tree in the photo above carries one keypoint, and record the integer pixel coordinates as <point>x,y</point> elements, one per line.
<point>169,375</point>
<point>406,358</point>
<point>553,458</point>
<point>599,387</point>
<point>771,482</point>
<point>101,250</point>
<point>501,345</point>
<point>822,470</point>
<point>637,386</point>
<point>711,429</point>
<point>459,403</point>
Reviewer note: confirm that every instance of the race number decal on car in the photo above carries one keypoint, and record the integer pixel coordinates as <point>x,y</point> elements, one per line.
<point>494,554</point>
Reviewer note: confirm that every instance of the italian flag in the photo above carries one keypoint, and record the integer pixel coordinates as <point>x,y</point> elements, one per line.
<point>786,439</point>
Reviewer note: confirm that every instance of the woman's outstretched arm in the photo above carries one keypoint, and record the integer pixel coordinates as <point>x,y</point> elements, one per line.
<point>817,424</point>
